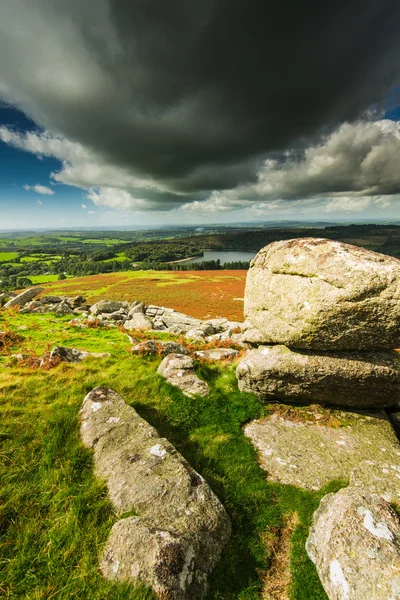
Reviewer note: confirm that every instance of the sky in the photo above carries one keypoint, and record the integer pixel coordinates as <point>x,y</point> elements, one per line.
<point>153,112</point>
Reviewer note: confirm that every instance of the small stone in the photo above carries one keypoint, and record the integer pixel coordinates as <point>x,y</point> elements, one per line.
<point>178,370</point>
<point>159,348</point>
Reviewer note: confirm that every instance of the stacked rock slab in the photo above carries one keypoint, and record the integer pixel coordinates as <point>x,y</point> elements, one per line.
<point>179,529</point>
<point>325,318</point>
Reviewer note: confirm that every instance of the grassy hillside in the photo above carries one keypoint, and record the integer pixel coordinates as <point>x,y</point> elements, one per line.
<point>202,294</point>
<point>54,515</point>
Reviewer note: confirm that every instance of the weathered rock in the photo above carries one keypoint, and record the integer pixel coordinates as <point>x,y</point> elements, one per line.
<point>137,308</point>
<point>158,324</point>
<point>178,370</point>
<point>309,455</point>
<point>50,299</point>
<point>154,311</point>
<point>355,545</point>
<point>138,321</point>
<point>62,309</point>
<point>76,301</point>
<point>217,354</point>
<point>381,477</point>
<point>181,527</point>
<point>180,323</point>
<point>72,355</point>
<point>159,348</point>
<point>320,294</point>
<point>195,334</point>
<point>107,306</point>
<point>118,315</point>
<point>353,379</point>
<point>23,297</point>
<point>35,305</point>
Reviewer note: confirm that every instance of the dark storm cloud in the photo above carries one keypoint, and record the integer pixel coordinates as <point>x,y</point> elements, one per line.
<point>193,95</point>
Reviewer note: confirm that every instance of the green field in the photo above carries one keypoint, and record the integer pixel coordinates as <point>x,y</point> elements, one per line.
<point>54,514</point>
<point>43,278</point>
<point>8,256</point>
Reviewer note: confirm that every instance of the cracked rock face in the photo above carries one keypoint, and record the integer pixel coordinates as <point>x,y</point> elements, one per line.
<point>324,295</point>
<point>353,379</point>
<point>179,528</point>
<point>355,544</point>
<point>178,370</point>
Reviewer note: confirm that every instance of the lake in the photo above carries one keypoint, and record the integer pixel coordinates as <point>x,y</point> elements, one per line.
<point>223,257</point>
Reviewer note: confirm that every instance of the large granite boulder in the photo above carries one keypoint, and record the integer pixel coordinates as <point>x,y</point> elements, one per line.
<point>355,545</point>
<point>310,446</point>
<point>324,295</point>
<point>352,379</point>
<point>23,297</point>
<point>178,370</point>
<point>179,529</point>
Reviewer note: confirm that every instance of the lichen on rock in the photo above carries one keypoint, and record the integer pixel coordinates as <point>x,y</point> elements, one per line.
<point>180,527</point>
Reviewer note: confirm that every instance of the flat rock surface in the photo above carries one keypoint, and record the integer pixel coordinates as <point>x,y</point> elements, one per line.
<point>353,379</point>
<point>310,455</point>
<point>178,370</point>
<point>355,545</point>
<point>320,294</point>
<point>180,527</point>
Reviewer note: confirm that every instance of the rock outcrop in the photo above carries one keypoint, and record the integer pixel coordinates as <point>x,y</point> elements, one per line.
<point>354,379</point>
<point>23,297</point>
<point>324,295</point>
<point>355,545</point>
<point>180,527</point>
<point>178,370</point>
<point>325,317</point>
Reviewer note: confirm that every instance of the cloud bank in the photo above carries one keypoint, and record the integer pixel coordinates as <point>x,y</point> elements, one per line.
<point>158,105</point>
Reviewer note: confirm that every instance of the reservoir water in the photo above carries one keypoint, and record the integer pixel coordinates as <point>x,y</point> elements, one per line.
<point>223,257</point>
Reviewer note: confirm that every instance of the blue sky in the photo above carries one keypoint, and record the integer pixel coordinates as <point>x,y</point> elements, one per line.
<point>108,118</point>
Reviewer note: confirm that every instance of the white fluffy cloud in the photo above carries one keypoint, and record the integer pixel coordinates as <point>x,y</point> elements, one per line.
<point>39,189</point>
<point>356,167</point>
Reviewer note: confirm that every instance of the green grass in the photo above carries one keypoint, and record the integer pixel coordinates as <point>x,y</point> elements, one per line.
<point>43,278</point>
<point>54,514</point>
<point>7,256</point>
